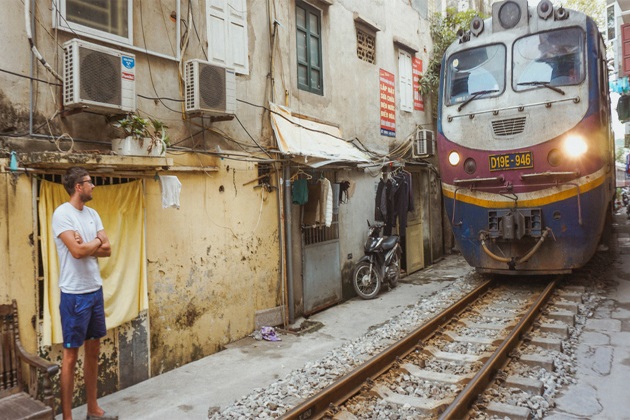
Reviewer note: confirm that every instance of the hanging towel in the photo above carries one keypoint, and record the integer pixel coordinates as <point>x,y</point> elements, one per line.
<point>300,191</point>
<point>171,187</point>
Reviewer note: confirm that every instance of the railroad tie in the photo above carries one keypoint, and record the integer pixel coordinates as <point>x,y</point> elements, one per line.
<point>430,375</point>
<point>471,339</point>
<point>425,404</point>
<point>508,411</point>
<point>456,357</point>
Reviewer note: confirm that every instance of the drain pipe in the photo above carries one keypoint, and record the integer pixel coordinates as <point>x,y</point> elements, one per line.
<point>288,240</point>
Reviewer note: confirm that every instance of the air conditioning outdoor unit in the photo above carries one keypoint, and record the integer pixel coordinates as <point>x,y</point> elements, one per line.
<point>423,144</point>
<point>210,89</point>
<point>98,78</point>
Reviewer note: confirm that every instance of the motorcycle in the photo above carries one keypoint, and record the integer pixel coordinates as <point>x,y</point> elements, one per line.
<point>381,263</point>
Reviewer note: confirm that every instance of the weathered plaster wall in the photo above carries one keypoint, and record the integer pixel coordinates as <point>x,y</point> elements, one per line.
<point>351,86</point>
<point>212,263</point>
<point>17,272</point>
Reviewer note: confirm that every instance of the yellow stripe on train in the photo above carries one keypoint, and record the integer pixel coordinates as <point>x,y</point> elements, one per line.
<point>539,198</point>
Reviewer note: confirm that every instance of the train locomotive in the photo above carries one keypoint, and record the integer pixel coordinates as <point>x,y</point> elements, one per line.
<point>524,139</point>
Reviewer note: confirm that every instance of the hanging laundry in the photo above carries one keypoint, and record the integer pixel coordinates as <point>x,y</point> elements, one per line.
<point>327,202</point>
<point>299,191</point>
<point>171,187</point>
<point>312,212</point>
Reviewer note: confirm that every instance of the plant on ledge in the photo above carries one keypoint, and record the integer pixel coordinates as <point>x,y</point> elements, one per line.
<point>145,130</point>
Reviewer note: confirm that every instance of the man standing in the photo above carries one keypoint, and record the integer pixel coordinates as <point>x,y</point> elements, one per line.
<point>80,240</point>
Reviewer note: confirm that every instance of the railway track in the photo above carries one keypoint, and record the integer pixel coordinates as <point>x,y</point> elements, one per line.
<point>443,367</point>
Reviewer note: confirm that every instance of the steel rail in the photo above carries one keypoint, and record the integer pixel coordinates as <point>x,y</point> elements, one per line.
<point>316,406</point>
<point>458,409</point>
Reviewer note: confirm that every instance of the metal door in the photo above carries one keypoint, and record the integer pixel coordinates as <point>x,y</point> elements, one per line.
<point>321,274</point>
<point>415,227</point>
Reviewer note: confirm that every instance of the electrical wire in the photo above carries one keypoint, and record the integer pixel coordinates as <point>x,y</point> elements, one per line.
<point>197,33</point>
<point>35,79</point>
<point>144,40</point>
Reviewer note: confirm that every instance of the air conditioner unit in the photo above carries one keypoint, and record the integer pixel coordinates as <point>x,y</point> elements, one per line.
<point>98,78</point>
<point>210,89</point>
<point>423,144</point>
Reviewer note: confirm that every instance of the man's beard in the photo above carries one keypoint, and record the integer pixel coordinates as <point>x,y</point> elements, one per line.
<point>85,198</point>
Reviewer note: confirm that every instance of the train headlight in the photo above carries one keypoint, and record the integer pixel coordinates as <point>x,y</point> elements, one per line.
<point>453,158</point>
<point>509,14</point>
<point>575,146</point>
<point>470,166</point>
<point>554,157</point>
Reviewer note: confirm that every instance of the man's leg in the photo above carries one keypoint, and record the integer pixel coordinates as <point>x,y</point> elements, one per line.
<point>67,380</point>
<point>90,376</point>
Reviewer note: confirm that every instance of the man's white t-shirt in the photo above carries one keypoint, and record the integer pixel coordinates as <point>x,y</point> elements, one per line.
<point>80,275</point>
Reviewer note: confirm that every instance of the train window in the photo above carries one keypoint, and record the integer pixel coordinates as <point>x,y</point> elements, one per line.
<point>552,58</point>
<point>475,71</point>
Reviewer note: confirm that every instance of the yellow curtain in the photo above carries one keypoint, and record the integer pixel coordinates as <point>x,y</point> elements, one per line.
<point>121,208</point>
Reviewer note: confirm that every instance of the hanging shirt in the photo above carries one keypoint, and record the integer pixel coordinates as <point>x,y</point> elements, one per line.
<point>299,191</point>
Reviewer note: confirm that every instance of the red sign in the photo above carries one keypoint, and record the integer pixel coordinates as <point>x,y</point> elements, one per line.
<point>416,65</point>
<point>387,89</point>
<point>128,76</point>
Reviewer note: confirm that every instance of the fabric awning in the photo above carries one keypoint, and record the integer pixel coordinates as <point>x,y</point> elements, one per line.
<point>317,142</point>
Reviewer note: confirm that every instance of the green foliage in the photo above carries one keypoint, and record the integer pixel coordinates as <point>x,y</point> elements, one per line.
<point>443,33</point>
<point>138,127</point>
<point>620,155</point>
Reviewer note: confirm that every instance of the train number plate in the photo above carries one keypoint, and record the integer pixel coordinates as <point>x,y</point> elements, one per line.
<point>507,161</point>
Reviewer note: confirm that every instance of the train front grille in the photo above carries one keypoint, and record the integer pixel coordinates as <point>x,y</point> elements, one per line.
<point>509,126</point>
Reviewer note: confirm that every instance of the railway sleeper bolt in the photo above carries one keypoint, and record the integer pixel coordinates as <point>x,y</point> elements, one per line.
<point>501,376</point>
<point>526,337</point>
<point>514,354</point>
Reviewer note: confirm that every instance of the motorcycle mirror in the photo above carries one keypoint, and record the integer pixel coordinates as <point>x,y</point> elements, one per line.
<point>368,222</point>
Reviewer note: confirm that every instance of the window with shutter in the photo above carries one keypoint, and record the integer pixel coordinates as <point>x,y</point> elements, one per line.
<point>227,34</point>
<point>309,48</point>
<point>406,81</point>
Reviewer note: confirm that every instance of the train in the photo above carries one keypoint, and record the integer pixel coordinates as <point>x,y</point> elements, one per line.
<point>524,140</point>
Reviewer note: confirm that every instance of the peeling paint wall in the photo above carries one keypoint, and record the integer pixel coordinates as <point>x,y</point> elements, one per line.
<point>212,263</point>
<point>17,253</point>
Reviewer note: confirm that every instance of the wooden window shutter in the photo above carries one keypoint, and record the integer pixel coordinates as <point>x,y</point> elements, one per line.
<point>227,34</point>
<point>406,82</point>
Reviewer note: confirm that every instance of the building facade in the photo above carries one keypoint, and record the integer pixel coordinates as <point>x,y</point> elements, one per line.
<point>254,96</point>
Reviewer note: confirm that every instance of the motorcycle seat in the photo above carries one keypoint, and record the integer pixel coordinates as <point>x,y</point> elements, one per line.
<point>389,242</point>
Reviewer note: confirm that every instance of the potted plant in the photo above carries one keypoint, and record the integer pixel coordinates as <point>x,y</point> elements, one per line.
<point>143,137</point>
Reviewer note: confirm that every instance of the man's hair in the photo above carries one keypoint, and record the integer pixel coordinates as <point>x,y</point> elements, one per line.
<point>73,176</point>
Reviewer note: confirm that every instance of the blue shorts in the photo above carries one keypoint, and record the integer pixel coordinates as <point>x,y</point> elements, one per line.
<point>82,317</point>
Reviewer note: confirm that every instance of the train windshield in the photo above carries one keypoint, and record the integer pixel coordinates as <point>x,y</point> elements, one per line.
<point>553,58</point>
<point>478,72</point>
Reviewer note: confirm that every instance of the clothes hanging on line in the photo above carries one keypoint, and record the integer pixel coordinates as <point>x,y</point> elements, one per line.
<point>299,191</point>
<point>319,208</point>
<point>394,198</point>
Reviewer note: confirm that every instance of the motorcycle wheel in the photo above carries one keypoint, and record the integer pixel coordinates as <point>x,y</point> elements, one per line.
<point>366,280</point>
<point>393,270</point>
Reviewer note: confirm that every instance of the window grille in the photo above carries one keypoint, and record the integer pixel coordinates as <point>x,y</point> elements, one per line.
<point>366,46</point>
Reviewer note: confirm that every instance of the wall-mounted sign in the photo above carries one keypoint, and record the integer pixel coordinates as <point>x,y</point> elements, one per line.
<point>387,89</point>
<point>418,103</point>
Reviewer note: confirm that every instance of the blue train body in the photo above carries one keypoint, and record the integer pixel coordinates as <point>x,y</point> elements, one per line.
<point>524,140</point>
